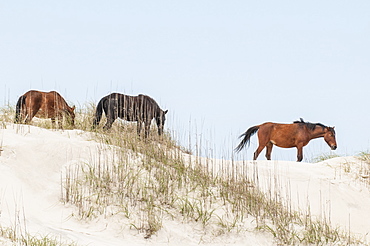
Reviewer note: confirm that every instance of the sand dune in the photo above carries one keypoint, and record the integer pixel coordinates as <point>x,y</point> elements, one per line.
<point>33,160</point>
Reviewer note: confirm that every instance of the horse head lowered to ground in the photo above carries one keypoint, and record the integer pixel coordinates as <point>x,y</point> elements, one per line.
<point>139,108</point>
<point>295,135</point>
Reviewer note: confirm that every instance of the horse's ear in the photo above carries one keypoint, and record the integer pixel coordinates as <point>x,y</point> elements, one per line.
<point>73,108</point>
<point>165,112</point>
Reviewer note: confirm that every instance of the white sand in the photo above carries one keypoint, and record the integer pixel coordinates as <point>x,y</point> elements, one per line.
<point>33,160</point>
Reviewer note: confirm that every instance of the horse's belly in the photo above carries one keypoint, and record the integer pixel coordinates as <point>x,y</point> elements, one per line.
<point>285,144</point>
<point>128,115</point>
<point>42,113</point>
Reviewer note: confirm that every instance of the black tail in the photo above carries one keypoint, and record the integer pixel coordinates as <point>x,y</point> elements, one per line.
<point>99,112</point>
<point>247,136</point>
<point>20,103</point>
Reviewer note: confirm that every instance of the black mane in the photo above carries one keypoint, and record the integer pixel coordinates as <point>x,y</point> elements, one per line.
<point>310,126</point>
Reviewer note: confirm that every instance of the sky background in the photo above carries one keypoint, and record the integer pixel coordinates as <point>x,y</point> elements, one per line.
<point>220,67</point>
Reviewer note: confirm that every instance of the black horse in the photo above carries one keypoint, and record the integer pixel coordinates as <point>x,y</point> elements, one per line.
<point>139,108</point>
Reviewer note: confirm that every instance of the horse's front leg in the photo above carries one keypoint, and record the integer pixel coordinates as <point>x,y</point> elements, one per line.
<point>139,125</point>
<point>147,128</point>
<point>60,120</point>
<point>53,122</point>
<point>299,153</point>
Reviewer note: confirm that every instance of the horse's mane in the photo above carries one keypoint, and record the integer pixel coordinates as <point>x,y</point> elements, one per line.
<point>310,126</point>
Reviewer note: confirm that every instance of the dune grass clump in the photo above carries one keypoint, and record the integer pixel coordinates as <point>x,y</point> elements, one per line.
<point>363,171</point>
<point>140,180</point>
<point>17,234</point>
<point>25,239</point>
<point>324,157</point>
<point>7,114</point>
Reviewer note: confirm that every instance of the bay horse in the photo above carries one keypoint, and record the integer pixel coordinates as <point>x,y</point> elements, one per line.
<point>139,108</point>
<point>296,135</point>
<point>43,105</point>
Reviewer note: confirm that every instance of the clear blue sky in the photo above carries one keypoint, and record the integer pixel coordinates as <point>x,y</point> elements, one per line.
<point>218,66</point>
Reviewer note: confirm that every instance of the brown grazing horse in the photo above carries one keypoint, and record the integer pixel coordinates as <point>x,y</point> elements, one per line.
<point>43,105</point>
<point>296,135</point>
<point>139,108</point>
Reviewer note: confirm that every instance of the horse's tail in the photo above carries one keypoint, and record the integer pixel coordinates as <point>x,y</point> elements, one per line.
<point>20,103</point>
<point>246,137</point>
<point>99,112</point>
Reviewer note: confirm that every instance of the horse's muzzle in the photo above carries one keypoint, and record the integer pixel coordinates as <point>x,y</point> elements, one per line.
<point>333,147</point>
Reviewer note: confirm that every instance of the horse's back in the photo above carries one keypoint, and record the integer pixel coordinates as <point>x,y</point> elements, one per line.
<point>277,129</point>
<point>132,108</point>
<point>33,99</point>
<point>45,99</point>
<point>132,101</point>
<point>268,126</point>
<point>149,102</point>
<point>53,94</point>
<point>115,95</point>
<point>37,94</point>
<point>278,125</point>
<point>33,94</point>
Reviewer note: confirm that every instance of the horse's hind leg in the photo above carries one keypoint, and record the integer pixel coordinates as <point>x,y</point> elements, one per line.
<point>109,123</point>
<point>30,113</point>
<point>31,110</point>
<point>258,151</point>
<point>263,141</point>
<point>23,116</point>
<point>146,128</point>
<point>112,115</point>
<point>269,150</point>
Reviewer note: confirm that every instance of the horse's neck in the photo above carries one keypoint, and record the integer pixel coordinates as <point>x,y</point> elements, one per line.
<point>68,109</point>
<point>318,132</point>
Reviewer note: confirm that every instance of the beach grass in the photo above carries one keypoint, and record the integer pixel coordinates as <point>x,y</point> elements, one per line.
<point>151,180</point>
<point>147,181</point>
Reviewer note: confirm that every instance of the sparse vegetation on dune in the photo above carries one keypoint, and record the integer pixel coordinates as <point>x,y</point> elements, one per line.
<point>324,157</point>
<point>362,171</point>
<point>18,234</point>
<point>12,236</point>
<point>145,182</point>
<point>148,181</point>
